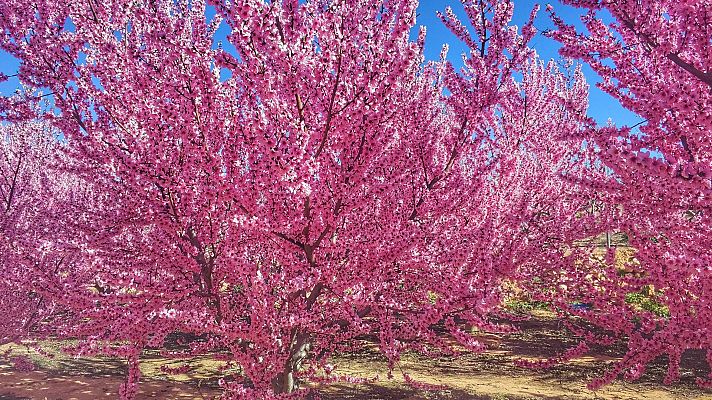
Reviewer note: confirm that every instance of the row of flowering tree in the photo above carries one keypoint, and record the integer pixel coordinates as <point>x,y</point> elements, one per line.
<point>653,183</point>
<point>320,183</point>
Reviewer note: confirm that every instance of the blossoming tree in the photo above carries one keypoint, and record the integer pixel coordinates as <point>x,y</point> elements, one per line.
<point>25,230</point>
<point>17,181</point>
<point>653,184</point>
<point>281,200</point>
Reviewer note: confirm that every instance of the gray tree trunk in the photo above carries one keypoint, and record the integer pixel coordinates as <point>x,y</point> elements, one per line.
<point>285,382</point>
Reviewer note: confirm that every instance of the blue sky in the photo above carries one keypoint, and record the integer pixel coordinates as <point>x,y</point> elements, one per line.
<point>601,105</point>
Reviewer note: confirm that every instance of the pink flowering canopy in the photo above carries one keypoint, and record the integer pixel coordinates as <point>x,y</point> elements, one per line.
<point>653,184</point>
<point>26,229</point>
<point>319,184</point>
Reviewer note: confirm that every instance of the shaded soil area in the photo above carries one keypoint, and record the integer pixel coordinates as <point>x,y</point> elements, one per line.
<point>487,376</point>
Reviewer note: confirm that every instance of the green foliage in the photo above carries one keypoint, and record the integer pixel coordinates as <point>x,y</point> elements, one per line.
<point>524,306</point>
<point>643,301</point>
<point>432,297</point>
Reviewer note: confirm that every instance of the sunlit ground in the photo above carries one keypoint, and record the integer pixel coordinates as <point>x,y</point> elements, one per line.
<point>490,375</point>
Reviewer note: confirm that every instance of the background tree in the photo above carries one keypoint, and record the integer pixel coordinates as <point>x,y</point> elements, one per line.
<point>27,193</point>
<point>653,183</point>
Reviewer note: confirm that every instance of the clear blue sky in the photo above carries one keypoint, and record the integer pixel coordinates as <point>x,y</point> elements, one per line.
<point>601,106</point>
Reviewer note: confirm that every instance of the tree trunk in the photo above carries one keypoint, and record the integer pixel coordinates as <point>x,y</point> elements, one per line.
<point>285,381</point>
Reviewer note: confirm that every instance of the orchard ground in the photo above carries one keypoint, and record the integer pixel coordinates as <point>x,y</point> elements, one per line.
<point>491,375</point>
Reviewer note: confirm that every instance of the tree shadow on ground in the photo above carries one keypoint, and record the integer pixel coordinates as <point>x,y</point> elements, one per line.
<point>377,392</point>
<point>35,385</point>
<point>366,391</point>
<point>94,367</point>
<point>538,338</point>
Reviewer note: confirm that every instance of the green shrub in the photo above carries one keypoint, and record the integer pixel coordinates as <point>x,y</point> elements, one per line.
<point>647,302</point>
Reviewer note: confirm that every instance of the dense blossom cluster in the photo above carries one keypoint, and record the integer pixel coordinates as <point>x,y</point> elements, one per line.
<point>313,182</point>
<point>654,183</point>
<point>28,194</point>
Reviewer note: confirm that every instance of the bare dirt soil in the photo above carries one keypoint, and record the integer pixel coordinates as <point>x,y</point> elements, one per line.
<point>487,376</point>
